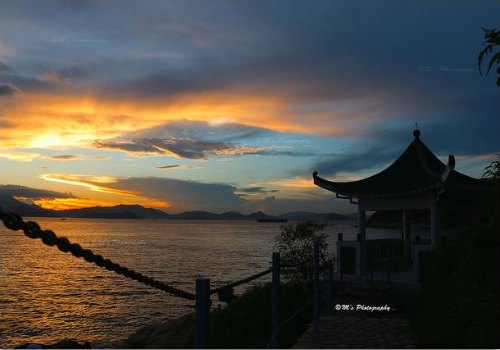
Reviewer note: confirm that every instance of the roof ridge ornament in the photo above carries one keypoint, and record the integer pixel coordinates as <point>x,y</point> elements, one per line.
<point>416,132</point>
<point>449,168</point>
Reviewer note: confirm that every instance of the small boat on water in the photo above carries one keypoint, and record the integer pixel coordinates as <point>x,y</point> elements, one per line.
<point>272,220</point>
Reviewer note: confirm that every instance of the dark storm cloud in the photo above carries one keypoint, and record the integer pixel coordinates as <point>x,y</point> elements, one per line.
<point>63,76</point>
<point>187,139</point>
<point>398,58</point>
<point>216,197</point>
<point>8,90</point>
<point>200,130</point>
<point>34,193</point>
<point>4,67</point>
<point>198,140</point>
<point>355,162</point>
<point>315,50</point>
<point>185,195</point>
<point>443,136</point>
<point>180,147</point>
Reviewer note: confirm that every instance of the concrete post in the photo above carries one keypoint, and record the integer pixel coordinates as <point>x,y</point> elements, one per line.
<point>275,301</point>
<point>434,223</point>
<point>406,235</point>
<point>202,312</point>
<point>361,268</point>
<point>330,287</point>
<point>316,287</point>
<point>340,238</point>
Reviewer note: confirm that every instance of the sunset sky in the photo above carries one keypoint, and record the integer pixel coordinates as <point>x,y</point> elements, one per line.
<point>231,105</point>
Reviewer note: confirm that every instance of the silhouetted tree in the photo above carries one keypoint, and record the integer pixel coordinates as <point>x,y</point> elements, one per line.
<point>492,43</point>
<point>296,245</point>
<point>492,172</point>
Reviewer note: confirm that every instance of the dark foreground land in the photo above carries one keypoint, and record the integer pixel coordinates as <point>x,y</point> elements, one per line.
<point>245,323</point>
<point>356,327</point>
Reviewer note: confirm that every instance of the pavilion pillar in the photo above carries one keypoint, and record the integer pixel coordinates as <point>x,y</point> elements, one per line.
<point>362,258</point>
<point>434,223</point>
<point>406,234</point>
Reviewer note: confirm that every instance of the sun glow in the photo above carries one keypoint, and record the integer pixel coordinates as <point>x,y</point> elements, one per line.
<point>49,140</point>
<point>55,121</point>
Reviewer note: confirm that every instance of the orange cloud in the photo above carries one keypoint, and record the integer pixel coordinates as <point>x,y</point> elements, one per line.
<point>78,203</point>
<point>25,157</point>
<point>48,121</point>
<point>298,187</point>
<point>19,156</point>
<point>297,182</point>
<point>100,184</point>
<point>91,182</point>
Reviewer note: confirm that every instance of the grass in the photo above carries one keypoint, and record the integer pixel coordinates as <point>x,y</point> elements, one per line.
<point>244,323</point>
<point>459,305</point>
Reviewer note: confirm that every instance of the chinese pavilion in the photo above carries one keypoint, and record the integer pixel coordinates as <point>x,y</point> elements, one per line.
<point>417,180</point>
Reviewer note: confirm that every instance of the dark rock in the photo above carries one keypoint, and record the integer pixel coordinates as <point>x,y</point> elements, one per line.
<point>62,344</point>
<point>174,334</point>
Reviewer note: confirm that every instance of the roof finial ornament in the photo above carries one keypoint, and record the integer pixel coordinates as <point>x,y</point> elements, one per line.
<point>416,132</point>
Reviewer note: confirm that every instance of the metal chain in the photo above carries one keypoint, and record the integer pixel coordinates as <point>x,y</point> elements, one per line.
<point>31,229</point>
<point>242,281</point>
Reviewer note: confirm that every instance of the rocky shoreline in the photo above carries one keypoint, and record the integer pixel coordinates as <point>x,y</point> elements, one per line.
<point>173,334</point>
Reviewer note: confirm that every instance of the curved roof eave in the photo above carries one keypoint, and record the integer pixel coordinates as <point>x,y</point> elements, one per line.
<point>417,170</point>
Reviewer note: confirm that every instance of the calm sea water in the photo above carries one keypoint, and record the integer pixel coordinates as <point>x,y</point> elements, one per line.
<point>47,295</point>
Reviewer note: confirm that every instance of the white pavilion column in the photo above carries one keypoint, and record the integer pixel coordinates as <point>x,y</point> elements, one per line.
<point>434,223</point>
<point>362,259</point>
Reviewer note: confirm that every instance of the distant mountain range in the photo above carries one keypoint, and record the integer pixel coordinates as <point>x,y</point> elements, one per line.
<point>8,203</point>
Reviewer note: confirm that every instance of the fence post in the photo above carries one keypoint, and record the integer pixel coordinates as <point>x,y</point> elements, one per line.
<point>202,312</point>
<point>275,301</point>
<point>389,260</point>
<point>316,287</point>
<point>329,288</point>
<point>340,265</point>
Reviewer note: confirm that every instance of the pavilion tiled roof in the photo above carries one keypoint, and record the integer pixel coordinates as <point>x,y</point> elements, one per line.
<point>416,171</point>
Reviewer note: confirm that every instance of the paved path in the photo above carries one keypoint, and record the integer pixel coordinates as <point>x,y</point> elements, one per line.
<point>358,332</point>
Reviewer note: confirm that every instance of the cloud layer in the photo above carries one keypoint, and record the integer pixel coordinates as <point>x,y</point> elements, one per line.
<point>8,90</point>
<point>187,139</point>
<point>29,192</point>
<point>259,94</point>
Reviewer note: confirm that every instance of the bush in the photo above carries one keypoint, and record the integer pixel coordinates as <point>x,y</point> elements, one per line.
<point>246,322</point>
<point>296,244</point>
<point>459,305</point>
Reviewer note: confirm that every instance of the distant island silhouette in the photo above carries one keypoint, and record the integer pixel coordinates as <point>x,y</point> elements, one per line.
<point>9,203</point>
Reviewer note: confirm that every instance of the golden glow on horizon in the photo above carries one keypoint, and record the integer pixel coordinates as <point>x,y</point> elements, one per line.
<point>95,183</point>
<point>79,203</point>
